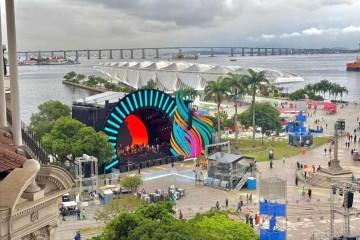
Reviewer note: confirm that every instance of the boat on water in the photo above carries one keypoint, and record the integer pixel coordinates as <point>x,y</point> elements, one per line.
<point>179,55</point>
<point>47,61</point>
<point>355,66</point>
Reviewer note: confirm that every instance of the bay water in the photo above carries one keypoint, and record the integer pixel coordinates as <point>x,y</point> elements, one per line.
<point>42,83</point>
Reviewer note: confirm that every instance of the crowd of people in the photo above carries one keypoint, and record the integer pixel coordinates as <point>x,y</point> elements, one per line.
<point>138,148</point>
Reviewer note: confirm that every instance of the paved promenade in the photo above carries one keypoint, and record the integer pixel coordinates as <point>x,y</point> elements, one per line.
<point>305,217</point>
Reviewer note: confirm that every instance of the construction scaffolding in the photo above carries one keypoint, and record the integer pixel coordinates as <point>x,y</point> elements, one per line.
<point>273,198</point>
<point>86,175</point>
<point>346,189</point>
<point>217,147</point>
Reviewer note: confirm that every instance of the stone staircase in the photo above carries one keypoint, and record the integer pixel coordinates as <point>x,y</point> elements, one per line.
<point>320,179</point>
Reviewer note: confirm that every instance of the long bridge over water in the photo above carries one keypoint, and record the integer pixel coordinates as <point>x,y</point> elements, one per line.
<point>132,53</point>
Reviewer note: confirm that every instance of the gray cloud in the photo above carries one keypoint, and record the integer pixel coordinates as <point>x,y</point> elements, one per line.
<point>180,12</point>
<point>73,24</point>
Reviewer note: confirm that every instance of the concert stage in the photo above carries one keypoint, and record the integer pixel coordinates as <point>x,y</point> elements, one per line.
<point>146,127</point>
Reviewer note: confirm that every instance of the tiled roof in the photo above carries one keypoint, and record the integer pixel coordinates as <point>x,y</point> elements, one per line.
<point>9,159</point>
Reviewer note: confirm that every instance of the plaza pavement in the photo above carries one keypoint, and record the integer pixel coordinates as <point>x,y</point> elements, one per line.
<point>306,218</point>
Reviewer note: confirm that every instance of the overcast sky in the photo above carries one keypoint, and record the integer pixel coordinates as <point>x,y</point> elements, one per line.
<point>95,24</point>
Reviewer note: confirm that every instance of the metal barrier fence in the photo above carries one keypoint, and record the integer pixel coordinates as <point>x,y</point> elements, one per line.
<point>32,142</point>
<point>168,172</point>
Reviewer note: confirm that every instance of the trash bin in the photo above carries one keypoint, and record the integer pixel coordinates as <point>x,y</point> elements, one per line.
<point>251,183</point>
<point>108,196</point>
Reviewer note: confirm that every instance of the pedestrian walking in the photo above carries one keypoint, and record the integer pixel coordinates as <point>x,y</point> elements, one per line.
<point>78,214</point>
<point>217,205</point>
<point>238,207</point>
<point>303,191</point>
<point>326,125</point>
<point>325,150</point>
<point>329,163</point>
<point>180,214</point>
<point>226,203</point>
<point>77,236</point>
<point>251,220</point>
<point>83,213</point>
<point>257,219</point>
<point>63,212</point>
<point>296,180</point>
<point>309,192</point>
<point>271,163</point>
<point>355,139</point>
<point>305,174</point>
<point>351,138</point>
<point>247,218</point>
<point>241,199</point>
<point>247,198</point>
<point>139,170</point>
<point>250,198</point>
<point>352,178</point>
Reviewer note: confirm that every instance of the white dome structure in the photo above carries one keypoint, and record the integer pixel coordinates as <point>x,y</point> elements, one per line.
<point>172,76</point>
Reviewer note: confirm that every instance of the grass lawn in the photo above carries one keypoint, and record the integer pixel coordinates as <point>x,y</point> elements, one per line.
<point>280,146</point>
<point>91,230</point>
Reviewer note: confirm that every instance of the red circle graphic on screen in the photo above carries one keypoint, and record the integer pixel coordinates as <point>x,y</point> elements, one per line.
<point>137,130</point>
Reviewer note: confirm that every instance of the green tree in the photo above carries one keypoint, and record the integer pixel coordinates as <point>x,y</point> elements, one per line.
<point>342,91</point>
<point>237,85</point>
<point>188,92</point>
<point>151,84</point>
<point>43,121</point>
<point>70,138</point>
<point>80,77</point>
<point>70,76</point>
<point>156,221</point>
<point>91,81</point>
<point>128,203</point>
<point>132,181</point>
<point>256,82</point>
<point>217,90</point>
<point>267,118</point>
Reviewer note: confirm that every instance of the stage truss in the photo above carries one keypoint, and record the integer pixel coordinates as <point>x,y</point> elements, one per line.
<point>80,176</point>
<point>345,187</point>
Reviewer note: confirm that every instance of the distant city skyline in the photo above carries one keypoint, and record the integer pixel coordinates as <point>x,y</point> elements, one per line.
<point>94,24</point>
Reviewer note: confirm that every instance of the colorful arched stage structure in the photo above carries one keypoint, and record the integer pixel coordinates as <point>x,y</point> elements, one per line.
<point>150,122</point>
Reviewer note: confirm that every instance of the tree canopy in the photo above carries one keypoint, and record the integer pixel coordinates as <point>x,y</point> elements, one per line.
<point>156,221</point>
<point>266,117</point>
<point>50,111</point>
<point>70,137</point>
<point>188,92</point>
<point>217,90</point>
<point>126,203</point>
<point>132,182</point>
<point>152,84</point>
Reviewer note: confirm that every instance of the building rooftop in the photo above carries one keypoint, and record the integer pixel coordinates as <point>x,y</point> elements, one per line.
<point>225,157</point>
<point>9,159</point>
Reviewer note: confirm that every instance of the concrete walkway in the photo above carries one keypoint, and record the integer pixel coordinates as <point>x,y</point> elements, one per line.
<point>305,216</point>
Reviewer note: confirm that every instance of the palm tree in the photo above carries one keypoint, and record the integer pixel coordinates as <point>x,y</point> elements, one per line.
<point>188,92</point>
<point>217,90</point>
<point>324,86</point>
<point>342,91</point>
<point>237,84</point>
<point>255,80</point>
